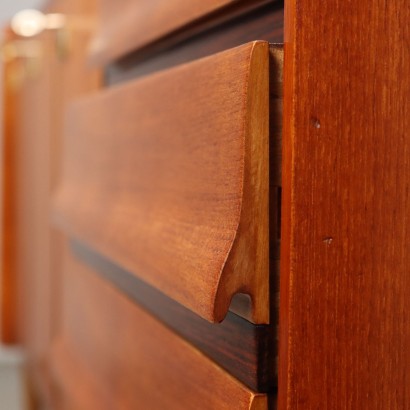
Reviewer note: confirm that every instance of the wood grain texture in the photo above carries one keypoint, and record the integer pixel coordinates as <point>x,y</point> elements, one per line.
<point>112,355</point>
<point>245,350</point>
<point>129,25</point>
<point>345,283</point>
<point>168,177</point>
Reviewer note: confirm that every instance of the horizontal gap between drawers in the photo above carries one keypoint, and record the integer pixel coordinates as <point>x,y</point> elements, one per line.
<point>245,350</point>
<point>265,23</point>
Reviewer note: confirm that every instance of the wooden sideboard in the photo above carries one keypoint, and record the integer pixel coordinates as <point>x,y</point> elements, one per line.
<point>205,205</point>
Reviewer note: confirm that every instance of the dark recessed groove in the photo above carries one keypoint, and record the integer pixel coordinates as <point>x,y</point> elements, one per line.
<point>265,23</point>
<point>241,348</point>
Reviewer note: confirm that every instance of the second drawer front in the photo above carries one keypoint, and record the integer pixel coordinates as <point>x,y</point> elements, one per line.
<point>120,357</point>
<point>168,177</point>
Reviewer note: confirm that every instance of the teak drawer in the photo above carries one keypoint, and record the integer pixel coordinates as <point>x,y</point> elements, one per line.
<point>130,25</point>
<point>168,177</point>
<point>123,358</point>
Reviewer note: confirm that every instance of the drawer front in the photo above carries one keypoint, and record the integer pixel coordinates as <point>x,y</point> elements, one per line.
<point>122,358</point>
<point>168,177</point>
<point>129,25</point>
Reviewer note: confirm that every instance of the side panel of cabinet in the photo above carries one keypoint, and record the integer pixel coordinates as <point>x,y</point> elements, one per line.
<point>345,283</point>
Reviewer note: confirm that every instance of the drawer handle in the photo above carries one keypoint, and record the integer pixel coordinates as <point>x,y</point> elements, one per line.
<point>168,176</point>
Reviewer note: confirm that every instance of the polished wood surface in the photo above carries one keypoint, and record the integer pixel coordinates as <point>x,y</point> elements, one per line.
<point>245,350</point>
<point>206,365</point>
<point>265,23</point>
<point>345,282</point>
<point>123,358</point>
<point>129,25</point>
<point>179,161</point>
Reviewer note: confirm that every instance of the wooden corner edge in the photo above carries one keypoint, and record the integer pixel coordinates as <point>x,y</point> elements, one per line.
<point>247,266</point>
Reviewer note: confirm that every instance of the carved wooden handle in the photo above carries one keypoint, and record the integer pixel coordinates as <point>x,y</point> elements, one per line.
<point>168,177</point>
